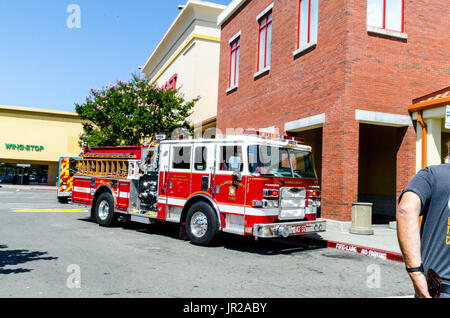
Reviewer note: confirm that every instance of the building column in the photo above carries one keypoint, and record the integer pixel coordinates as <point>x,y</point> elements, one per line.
<point>434,134</point>
<point>418,147</point>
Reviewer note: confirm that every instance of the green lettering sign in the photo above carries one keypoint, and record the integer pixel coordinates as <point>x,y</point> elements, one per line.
<point>24,147</point>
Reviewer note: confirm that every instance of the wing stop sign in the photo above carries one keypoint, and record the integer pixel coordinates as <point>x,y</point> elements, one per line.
<point>447,117</point>
<point>20,147</point>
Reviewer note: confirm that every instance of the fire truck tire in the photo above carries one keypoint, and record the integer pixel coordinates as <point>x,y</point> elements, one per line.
<point>63,200</point>
<point>201,224</point>
<point>104,210</point>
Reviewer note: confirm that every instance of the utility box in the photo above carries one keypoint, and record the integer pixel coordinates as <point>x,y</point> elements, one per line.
<point>362,218</point>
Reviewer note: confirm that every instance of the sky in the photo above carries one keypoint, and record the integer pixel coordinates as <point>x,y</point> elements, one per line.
<point>50,59</point>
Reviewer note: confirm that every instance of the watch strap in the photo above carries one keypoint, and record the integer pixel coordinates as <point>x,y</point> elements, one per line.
<point>415,269</point>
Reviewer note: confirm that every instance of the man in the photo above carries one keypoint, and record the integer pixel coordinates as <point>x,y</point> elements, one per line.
<point>426,248</point>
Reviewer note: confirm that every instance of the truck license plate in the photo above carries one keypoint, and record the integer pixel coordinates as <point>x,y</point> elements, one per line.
<point>300,229</point>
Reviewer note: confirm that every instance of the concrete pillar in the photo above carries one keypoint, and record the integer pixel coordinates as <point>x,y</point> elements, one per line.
<point>52,173</point>
<point>418,147</point>
<point>434,141</point>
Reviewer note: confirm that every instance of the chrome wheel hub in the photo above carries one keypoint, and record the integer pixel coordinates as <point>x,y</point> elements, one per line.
<point>103,210</point>
<point>199,224</point>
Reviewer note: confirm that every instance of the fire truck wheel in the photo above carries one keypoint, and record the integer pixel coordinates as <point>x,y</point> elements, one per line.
<point>104,210</point>
<point>201,224</point>
<point>63,200</point>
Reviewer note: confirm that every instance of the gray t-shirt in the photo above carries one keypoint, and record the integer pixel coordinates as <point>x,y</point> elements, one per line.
<point>432,185</point>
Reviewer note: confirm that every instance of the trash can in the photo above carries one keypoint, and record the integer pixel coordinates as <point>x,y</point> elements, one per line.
<point>361,218</point>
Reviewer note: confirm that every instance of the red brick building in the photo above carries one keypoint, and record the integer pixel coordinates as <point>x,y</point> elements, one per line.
<point>340,74</point>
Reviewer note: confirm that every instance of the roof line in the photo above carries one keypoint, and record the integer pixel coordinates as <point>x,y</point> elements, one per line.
<point>38,110</point>
<point>187,7</point>
<point>429,104</point>
<point>229,11</point>
<point>180,50</point>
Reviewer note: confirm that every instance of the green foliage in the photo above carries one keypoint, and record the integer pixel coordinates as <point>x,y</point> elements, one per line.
<point>127,113</point>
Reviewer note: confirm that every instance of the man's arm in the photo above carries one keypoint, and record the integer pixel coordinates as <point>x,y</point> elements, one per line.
<point>408,232</point>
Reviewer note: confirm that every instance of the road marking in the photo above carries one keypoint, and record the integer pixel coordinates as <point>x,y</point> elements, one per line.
<point>48,211</point>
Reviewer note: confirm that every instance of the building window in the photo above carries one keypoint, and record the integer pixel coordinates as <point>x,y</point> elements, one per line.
<point>171,83</point>
<point>234,63</point>
<point>308,20</point>
<point>386,14</point>
<point>264,41</point>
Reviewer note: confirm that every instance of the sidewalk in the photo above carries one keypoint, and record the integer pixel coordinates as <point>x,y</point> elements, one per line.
<point>382,244</point>
<point>28,187</point>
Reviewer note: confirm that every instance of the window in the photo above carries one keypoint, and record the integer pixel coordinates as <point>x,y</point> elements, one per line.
<point>231,158</point>
<point>264,41</point>
<point>280,162</point>
<point>234,63</point>
<point>308,20</point>
<point>200,158</point>
<point>386,14</point>
<point>181,158</point>
<point>171,83</point>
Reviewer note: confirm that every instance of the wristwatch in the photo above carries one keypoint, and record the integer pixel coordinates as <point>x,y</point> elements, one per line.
<point>415,269</point>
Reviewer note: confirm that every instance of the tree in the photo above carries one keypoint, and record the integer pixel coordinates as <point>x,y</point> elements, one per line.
<point>127,113</point>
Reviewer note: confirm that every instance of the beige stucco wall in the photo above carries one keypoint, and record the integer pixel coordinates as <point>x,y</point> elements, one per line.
<point>198,76</point>
<point>191,49</point>
<point>58,132</point>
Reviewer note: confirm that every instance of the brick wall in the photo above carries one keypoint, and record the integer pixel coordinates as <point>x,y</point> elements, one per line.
<point>349,69</point>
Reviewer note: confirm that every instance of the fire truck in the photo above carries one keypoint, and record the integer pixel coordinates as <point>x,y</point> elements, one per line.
<point>65,178</point>
<point>255,184</point>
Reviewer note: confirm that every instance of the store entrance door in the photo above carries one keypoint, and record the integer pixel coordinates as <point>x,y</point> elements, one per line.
<point>22,174</point>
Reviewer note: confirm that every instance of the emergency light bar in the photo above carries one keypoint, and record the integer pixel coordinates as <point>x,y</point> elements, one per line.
<point>273,136</point>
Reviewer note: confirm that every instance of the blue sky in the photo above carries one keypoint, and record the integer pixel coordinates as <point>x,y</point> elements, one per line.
<point>45,64</point>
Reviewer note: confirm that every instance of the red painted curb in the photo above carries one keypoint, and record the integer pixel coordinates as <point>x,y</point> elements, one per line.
<point>368,251</point>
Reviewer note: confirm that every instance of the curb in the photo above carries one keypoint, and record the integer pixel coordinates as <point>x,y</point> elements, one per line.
<point>367,251</point>
<point>363,250</point>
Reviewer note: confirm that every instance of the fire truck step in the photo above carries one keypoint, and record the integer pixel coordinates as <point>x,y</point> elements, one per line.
<point>141,219</point>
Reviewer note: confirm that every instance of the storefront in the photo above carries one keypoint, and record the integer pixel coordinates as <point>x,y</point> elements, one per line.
<point>432,116</point>
<point>31,142</point>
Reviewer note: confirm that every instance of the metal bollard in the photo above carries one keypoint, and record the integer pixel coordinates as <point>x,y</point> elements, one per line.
<point>362,218</point>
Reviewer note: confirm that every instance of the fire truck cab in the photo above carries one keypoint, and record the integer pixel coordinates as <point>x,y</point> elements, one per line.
<point>257,184</point>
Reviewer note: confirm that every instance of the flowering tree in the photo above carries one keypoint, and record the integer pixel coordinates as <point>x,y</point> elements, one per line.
<point>127,113</point>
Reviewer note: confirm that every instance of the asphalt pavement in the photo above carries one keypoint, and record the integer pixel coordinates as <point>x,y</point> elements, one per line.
<point>49,249</point>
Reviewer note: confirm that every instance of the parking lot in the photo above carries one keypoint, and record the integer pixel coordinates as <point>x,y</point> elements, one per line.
<point>52,250</point>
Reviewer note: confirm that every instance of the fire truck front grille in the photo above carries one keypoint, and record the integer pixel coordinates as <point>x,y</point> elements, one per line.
<point>292,203</point>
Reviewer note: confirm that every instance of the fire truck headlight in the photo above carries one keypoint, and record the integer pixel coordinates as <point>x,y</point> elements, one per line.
<point>283,231</point>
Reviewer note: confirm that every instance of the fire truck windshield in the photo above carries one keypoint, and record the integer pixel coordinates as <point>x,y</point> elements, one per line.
<point>280,162</point>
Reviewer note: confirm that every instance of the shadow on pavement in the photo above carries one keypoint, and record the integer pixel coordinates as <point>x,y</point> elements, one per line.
<point>16,257</point>
<point>279,246</point>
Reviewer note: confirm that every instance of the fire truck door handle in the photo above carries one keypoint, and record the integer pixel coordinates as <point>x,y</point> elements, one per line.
<point>209,178</point>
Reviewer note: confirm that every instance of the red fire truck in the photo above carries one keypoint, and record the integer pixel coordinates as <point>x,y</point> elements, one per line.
<point>256,184</point>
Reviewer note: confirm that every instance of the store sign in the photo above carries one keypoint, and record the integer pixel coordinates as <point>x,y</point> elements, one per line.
<point>447,117</point>
<point>21,147</point>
